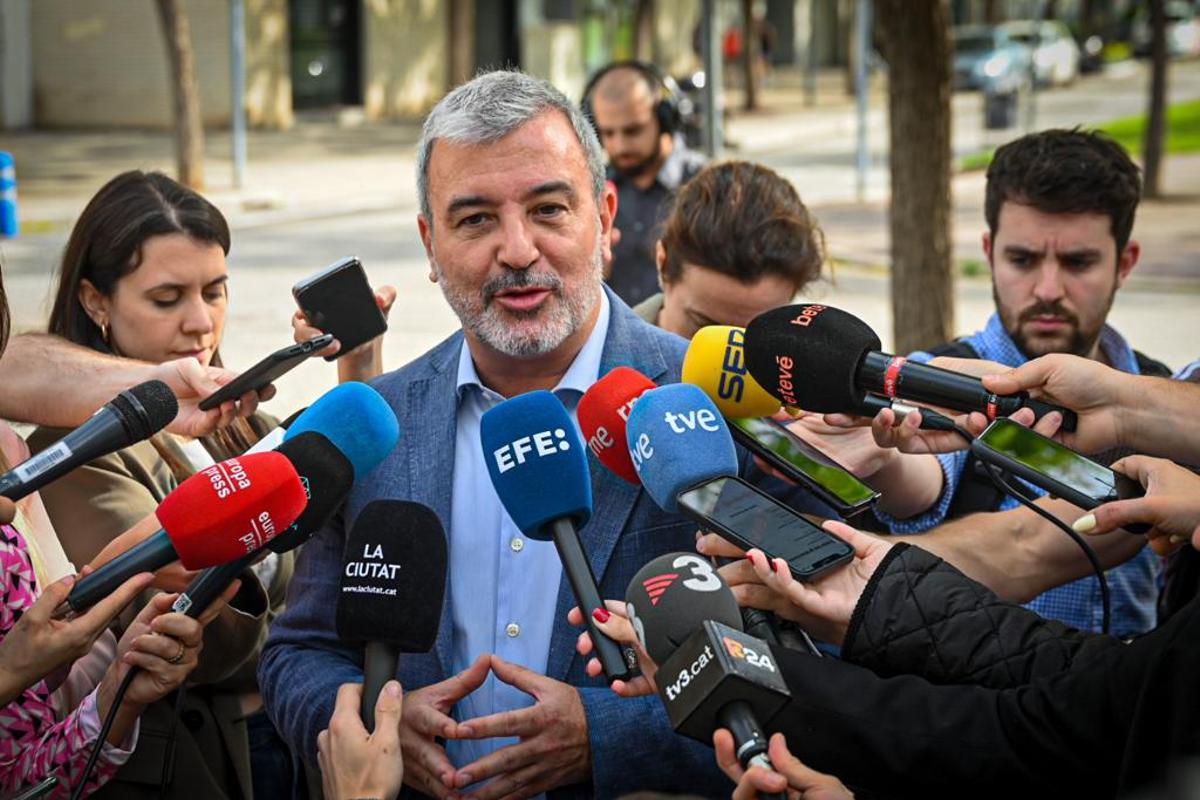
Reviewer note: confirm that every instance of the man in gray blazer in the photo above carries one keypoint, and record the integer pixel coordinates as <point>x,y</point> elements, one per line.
<point>516,221</point>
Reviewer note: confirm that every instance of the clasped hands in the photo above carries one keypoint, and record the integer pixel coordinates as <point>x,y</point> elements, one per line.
<point>552,748</point>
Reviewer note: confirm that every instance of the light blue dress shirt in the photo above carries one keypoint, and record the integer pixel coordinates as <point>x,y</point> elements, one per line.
<point>503,586</point>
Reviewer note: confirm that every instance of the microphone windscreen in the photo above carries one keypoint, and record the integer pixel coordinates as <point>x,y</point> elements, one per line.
<point>716,362</point>
<point>232,508</point>
<point>602,414</point>
<point>677,439</point>
<point>670,597</point>
<point>356,419</point>
<point>536,460</point>
<point>394,577</point>
<point>326,475</point>
<point>146,408</point>
<point>807,355</point>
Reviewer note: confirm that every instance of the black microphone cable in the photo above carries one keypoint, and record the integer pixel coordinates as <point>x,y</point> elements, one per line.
<point>105,728</point>
<point>939,421</point>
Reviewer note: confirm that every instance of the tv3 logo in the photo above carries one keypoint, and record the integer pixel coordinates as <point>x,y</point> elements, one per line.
<point>541,444</point>
<point>748,654</point>
<point>703,578</point>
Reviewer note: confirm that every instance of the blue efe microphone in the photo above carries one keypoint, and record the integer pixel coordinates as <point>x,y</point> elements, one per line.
<point>538,466</point>
<point>678,439</point>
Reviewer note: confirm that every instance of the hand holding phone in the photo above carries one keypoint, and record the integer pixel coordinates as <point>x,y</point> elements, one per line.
<point>339,300</point>
<point>264,372</point>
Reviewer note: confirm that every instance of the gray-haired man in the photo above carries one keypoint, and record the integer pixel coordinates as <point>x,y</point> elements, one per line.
<point>516,222</point>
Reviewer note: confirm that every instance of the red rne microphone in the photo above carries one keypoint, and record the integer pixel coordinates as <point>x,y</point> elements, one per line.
<point>217,515</point>
<point>602,414</point>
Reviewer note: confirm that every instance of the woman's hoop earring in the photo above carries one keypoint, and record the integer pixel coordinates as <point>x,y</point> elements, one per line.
<point>104,332</point>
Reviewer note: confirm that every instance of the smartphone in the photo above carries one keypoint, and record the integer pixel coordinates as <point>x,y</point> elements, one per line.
<point>339,300</point>
<point>804,464</point>
<point>266,371</point>
<point>1054,467</point>
<point>33,792</point>
<point>751,518</point>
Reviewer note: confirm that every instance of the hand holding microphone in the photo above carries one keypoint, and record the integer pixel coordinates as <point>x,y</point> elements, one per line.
<point>357,763</point>
<point>789,776</point>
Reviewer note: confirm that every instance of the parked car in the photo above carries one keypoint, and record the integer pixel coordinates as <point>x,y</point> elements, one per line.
<point>1056,56</point>
<point>987,58</point>
<point>1183,30</point>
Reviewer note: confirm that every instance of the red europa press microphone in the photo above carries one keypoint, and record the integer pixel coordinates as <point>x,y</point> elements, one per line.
<point>217,515</point>
<point>602,413</point>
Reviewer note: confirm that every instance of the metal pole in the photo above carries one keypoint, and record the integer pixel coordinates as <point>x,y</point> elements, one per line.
<point>810,57</point>
<point>862,34</point>
<point>1031,107</point>
<point>713,134</point>
<point>237,94</point>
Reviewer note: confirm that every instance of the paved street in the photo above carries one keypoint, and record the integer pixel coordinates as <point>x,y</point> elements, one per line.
<point>320,192</point>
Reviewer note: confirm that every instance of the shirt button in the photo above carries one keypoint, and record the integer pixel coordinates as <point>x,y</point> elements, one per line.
<point>513,630</point>
<point>517,544</point>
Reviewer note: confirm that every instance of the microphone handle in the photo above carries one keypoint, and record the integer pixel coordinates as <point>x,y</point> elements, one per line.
<point>756,622</point>
<point>379,667</point>
<point>145,556</point>
<point>208,585</point>
<point>617,660</point>
<point>103,433</point>
<point>1010,403</point>
<point>893,377</point>
<point>749,742</point>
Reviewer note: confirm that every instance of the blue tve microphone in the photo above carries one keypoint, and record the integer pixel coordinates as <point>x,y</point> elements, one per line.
<point>538,465</point>
<point>678,439</point>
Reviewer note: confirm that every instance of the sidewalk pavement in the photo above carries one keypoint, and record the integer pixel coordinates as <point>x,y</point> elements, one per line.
<point>320,169</point>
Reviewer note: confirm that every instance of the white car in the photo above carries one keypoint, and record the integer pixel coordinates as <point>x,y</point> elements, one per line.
<point>1056,55</point>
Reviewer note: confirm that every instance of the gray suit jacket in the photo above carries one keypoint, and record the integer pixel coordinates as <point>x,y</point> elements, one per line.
<point>633,746</point>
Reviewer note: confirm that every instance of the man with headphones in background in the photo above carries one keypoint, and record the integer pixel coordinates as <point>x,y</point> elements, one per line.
<point>635,109</point>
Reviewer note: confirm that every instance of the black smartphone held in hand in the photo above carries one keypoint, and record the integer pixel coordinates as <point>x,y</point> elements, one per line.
<point>1054,467</point>
<point>804,464</point>
<point>749,518</point>
<point>266,371</point>
<point>339,300</point>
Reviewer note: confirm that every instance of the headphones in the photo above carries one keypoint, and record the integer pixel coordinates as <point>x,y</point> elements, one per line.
<point>666,110</point>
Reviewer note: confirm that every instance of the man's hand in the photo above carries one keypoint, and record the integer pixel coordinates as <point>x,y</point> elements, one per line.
<point>191,383</point>
<point>613,621</point>
<point>426,718</point>
<point>790,774</point>
<point>356,764</point>
<point>554,749</point>
<point>363,362</point>
<point>1171,504</point>
<point>823,606</point>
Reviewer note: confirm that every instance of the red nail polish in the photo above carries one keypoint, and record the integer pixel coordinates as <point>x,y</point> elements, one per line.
<point>601,615</point>
<point>750,558</point>
<point>771,564</point>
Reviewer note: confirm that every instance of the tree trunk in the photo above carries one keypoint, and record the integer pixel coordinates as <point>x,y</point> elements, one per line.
<point>1156,116</point>
<point>189,131</point>
<point>993,12</point>
<point>643,31</point>
<point>750,51</point>
<point>918,52</point>
<point>462,41</point>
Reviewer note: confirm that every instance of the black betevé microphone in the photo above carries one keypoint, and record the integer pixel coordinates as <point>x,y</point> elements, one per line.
<point>392,588</point>
<point>710,674</point>
<point>130,417</point>
<point>820,358</point>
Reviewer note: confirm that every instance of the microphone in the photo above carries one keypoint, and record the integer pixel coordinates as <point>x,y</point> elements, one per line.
<point>836,356</point>
<point>133,415</point>
<point>602,413</point>
<point>326,475</point>
<point>217,515</point>
<point>392,588</point>
<point>353,414</point>
<point>677,440</point>
<point>710,673</point>
<point>716,362</point>
<point>537,465</point>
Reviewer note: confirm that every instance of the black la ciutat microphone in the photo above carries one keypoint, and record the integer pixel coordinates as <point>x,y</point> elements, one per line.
<point>822,359</point>
<point>326,475</point>
<point>392,588</point>
<point>132,416</point>
<point>710,673</point>
<point>538,466</point>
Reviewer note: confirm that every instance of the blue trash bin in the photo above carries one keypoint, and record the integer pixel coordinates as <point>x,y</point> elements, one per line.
<point>8,195</point>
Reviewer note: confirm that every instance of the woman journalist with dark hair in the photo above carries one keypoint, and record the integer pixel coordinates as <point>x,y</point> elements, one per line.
<point>144,276</point>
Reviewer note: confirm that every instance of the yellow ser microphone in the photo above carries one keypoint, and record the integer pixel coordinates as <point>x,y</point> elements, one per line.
<point>716,362</point>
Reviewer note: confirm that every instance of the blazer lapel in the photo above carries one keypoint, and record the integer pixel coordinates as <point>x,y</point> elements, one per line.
<point>612,498</point>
